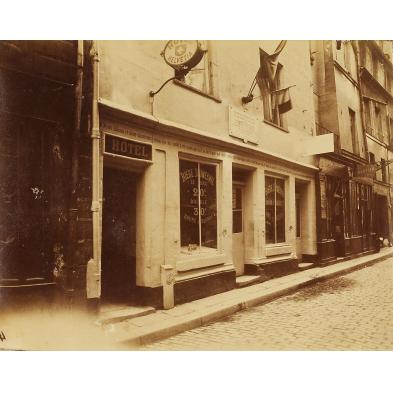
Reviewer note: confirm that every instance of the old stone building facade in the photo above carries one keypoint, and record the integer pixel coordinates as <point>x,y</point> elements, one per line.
<point>187,179</point>
<point>218,195</point>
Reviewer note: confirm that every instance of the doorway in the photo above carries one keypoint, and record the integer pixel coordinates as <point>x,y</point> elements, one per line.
<point>118,280</point>
<point>303,215</point>
<point>238,228</point>
<point>298,207</point>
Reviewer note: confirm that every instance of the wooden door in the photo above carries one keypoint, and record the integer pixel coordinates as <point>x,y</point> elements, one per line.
<point>238,228</point>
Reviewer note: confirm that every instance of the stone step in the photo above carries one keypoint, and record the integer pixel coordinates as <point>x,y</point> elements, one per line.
<point>243,281</point>
<point>305,265</point>
<point>121,314</point>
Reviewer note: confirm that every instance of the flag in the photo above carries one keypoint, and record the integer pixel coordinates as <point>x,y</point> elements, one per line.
<point>281,99</point>
<point>268,66</point>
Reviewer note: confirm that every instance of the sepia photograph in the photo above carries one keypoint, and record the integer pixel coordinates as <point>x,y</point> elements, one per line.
<point>196,194</point>
<point>176,210</point>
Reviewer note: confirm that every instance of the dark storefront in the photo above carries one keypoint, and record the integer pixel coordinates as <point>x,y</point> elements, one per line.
<point>346,213</point>
<point>37,120</point>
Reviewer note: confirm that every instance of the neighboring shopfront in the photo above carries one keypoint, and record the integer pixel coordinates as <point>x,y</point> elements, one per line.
<point>206,210</point>
<point>381,208</point>
<point>346,212</point>
<point>36,117</point>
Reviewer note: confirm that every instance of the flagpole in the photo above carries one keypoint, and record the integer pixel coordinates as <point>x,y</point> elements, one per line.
<point>284,88</point>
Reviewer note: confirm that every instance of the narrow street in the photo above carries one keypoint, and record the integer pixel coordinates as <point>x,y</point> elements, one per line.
<point>351,312</point>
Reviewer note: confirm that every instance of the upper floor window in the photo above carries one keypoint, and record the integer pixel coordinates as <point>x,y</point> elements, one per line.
<point>378,120</point>
<point>347,56</point>
<point>388,82</point>
<point>355,139</point>
<point>275,96</point>
<point>200,76</point>
<point>271,110</point>
<point>390,128</point>
<point>367,114</point>
<point>375,67</point>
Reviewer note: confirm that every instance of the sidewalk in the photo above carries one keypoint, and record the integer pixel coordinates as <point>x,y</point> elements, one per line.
<point>164,323</point>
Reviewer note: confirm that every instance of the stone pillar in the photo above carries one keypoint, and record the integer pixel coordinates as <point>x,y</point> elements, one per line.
<point>310,243</point>
<point>290,216</point>
<point>224,207</point>
<point>172,208</point>
<point>255,224</point>
<point>150,222</point>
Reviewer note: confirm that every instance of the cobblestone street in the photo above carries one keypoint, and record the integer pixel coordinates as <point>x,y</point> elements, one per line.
<point>351,312</point>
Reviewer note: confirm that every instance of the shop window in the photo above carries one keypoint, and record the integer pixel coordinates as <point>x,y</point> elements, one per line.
<point>198,206</point>
<point>346,209</point>
<point>362,209</point>
<point>274,210</point>
<point>327,191</point>
<point>357,197</point>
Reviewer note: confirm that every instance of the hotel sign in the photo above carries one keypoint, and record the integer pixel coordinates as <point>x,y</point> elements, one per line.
<point>127,148</point>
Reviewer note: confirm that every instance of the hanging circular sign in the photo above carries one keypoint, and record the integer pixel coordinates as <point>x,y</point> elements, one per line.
<point>182,54</point>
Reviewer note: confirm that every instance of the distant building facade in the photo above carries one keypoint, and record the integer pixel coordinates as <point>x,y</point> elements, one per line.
<point>376,72</point>
<point>346,192</point>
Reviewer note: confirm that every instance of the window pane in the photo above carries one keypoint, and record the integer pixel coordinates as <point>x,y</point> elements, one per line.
<point>208,206</point>
<point>237,221</point>
<point>297,217</point>
<point>237,217</point>
<point>280,210</point>
<point>189,212</point>
<point>198,77</point>
<point>269,210</point>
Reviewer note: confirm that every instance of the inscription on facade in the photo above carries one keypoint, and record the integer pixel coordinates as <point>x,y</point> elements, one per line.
<point>242,125</point>
<point>127,148</point>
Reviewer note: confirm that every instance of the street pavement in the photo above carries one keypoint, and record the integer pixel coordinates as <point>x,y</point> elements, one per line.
<point>350,312</point>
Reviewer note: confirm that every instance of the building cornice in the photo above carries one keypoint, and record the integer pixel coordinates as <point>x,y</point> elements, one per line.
<point>365,73</point>
<point>149,121</point>
<point>345,73</point>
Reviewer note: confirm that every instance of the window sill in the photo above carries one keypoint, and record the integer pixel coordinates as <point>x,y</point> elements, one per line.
<point>278,249</point>
<point>276,126</point>
<point>195,90</point>
<point>198,261</point>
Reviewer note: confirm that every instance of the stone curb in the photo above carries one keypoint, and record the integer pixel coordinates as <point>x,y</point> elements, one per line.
<point>199,318</point>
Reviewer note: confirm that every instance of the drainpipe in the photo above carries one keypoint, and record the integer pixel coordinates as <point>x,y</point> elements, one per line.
<point>93,273</point>
<point>73,203</point>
